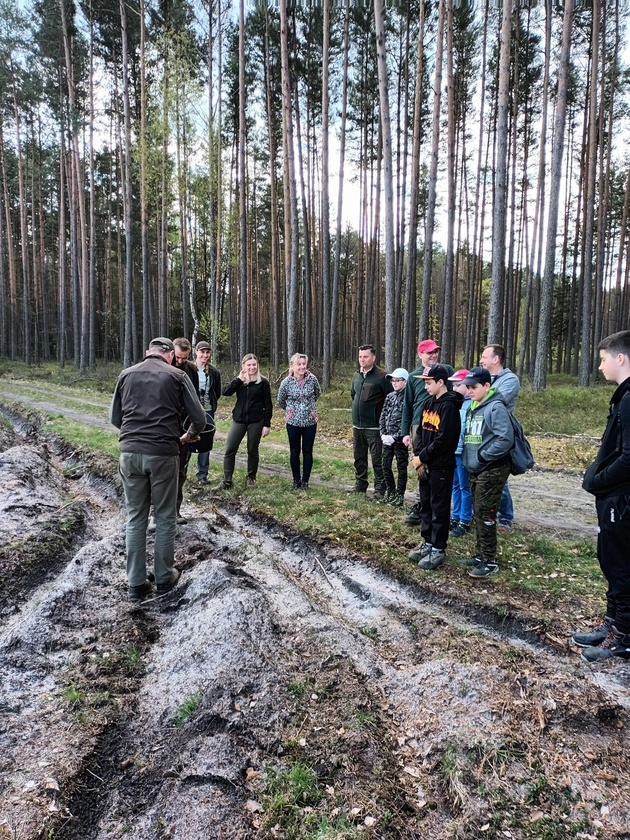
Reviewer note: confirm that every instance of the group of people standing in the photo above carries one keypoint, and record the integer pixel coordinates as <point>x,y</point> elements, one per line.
<point>457,425</point>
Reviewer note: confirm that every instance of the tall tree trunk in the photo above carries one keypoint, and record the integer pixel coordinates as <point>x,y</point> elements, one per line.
<point>325,211</point>
<point>451,176</point>
<point>433,172</point>
<point>127,191</point>
<point>242,183</point>
<point>495,318</point>
<point>292,224</point>
<point>388,176</point>
<point>540,369</point>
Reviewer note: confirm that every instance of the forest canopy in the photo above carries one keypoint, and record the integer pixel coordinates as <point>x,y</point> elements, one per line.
<point>309,177</point>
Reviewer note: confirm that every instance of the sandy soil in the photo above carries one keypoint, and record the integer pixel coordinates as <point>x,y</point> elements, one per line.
<point>419,715</point>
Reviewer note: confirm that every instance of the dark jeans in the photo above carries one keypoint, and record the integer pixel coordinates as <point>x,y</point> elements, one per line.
<point>613,516</point>
<point>149,479</point>
<point>301,440</point>
<point>435,506</point>
<point>184,458</point>
<point>365,440</point>
<point>486,488</point>
<point>235,435</point>
<point>401,453</point>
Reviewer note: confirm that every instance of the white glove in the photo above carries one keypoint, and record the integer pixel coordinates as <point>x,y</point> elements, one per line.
<point>388,440</point>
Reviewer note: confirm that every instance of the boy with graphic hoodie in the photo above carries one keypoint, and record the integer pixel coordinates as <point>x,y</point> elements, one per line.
<point>608,479</point>
<point>488,439</point>
<point>434,448</point>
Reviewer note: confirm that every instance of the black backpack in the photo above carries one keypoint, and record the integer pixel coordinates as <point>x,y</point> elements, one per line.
<point>521,458</point>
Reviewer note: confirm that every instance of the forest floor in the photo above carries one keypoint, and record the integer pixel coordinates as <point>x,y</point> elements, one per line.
<point>287,687</point>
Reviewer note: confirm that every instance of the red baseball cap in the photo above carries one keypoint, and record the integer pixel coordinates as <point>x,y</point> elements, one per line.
<point>458,376</point>
<point>428,346</point>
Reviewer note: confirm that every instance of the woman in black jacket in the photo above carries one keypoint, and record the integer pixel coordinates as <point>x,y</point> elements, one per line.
<point>251,416</point>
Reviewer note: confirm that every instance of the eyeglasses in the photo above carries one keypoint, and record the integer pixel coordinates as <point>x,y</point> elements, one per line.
<point>399,380</point>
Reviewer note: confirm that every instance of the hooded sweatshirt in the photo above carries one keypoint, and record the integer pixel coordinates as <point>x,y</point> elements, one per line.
<point>609,474</point>
<point>489,435</point>
<point>438,433</point>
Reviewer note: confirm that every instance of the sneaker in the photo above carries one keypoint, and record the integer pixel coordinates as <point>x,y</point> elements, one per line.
<point>434,559</point>
<point>423,550</point>
<point>386,499</point>
<point>163,588</point>
<point>202,479</point>
<point>251,482</point>
<point>615,644</point>
<point>181,520</point>
<point>453,524</point>
<point>414,517</point>
<point>594,637</point>
<point>397,500</point>
<point>504,525</point>
<point>223,485</point>
<point>151,525</point>
<point>470,561</point>
<point>460,529</point>
<point>377,496</point>
<point>484,568</point>
<point>137,593</point>
<point>297,484</point>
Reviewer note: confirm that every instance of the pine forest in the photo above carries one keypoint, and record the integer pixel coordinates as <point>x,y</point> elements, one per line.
<point>281,178</point>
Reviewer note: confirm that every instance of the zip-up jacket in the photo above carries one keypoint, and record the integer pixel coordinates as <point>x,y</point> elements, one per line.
<point>463,411</point>
<point>368,394</point>
<point>489,435</point>
<point>415,397</point>
<point>391,415</point>
<point>148,405</point>
<point>298,398</point>
<point>209,381</point>
<point>438,433</point>
<point>253,401</point>
<point>609,474</point>
<point>509,386</point>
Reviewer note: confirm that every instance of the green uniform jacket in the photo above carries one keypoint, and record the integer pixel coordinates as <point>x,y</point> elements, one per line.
<point>368,395</point>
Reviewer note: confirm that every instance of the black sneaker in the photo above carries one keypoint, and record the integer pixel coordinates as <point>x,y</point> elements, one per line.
<point>386,498</point>
<point>414,517</point>
<point>433,560</point>
<point>297,485</point>
<point>303,485</point>
<point>423,550</point>
<point>615,644</point>
<point>470,561</point>
<point>397,500</point>
<point>137,593</point>
<point>460,530</point>
<point>593,637</point>
<point>484,568</point>
<point>163,588</point>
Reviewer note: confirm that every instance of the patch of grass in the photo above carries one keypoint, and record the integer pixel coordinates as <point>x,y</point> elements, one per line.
<point>286,792</point>
<point>370,632</point>
<point>336,829</point>
<point>297,689</point>
<point>74,696</point>
<point>84,436</point>
<point>188,708</point>
<point>564,409</point>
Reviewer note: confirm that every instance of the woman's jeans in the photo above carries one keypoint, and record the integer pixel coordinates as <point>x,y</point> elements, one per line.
<point>235,435</point>
<point>301,440</point>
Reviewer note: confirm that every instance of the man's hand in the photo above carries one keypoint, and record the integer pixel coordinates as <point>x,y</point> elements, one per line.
<point>188,438</point>
<point>407,441</point>
<point>265,431</point>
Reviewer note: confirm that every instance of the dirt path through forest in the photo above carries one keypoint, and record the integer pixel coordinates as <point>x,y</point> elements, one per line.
<point>419,716</point>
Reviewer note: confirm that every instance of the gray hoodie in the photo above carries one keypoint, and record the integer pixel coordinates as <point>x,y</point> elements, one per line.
<point>489,435</point>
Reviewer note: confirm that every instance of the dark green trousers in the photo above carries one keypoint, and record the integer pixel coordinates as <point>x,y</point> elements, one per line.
<point>486,488</point>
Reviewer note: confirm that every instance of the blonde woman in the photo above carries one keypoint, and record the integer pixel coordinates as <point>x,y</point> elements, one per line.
<point>251,416</point>
<point>298,394</point>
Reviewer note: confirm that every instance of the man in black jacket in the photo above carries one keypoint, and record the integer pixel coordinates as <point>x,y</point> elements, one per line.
<point>608,479</point>
<point>148,404</point>
<point>369,388</point>
<point>434,448</point>
<point>183,349</point>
